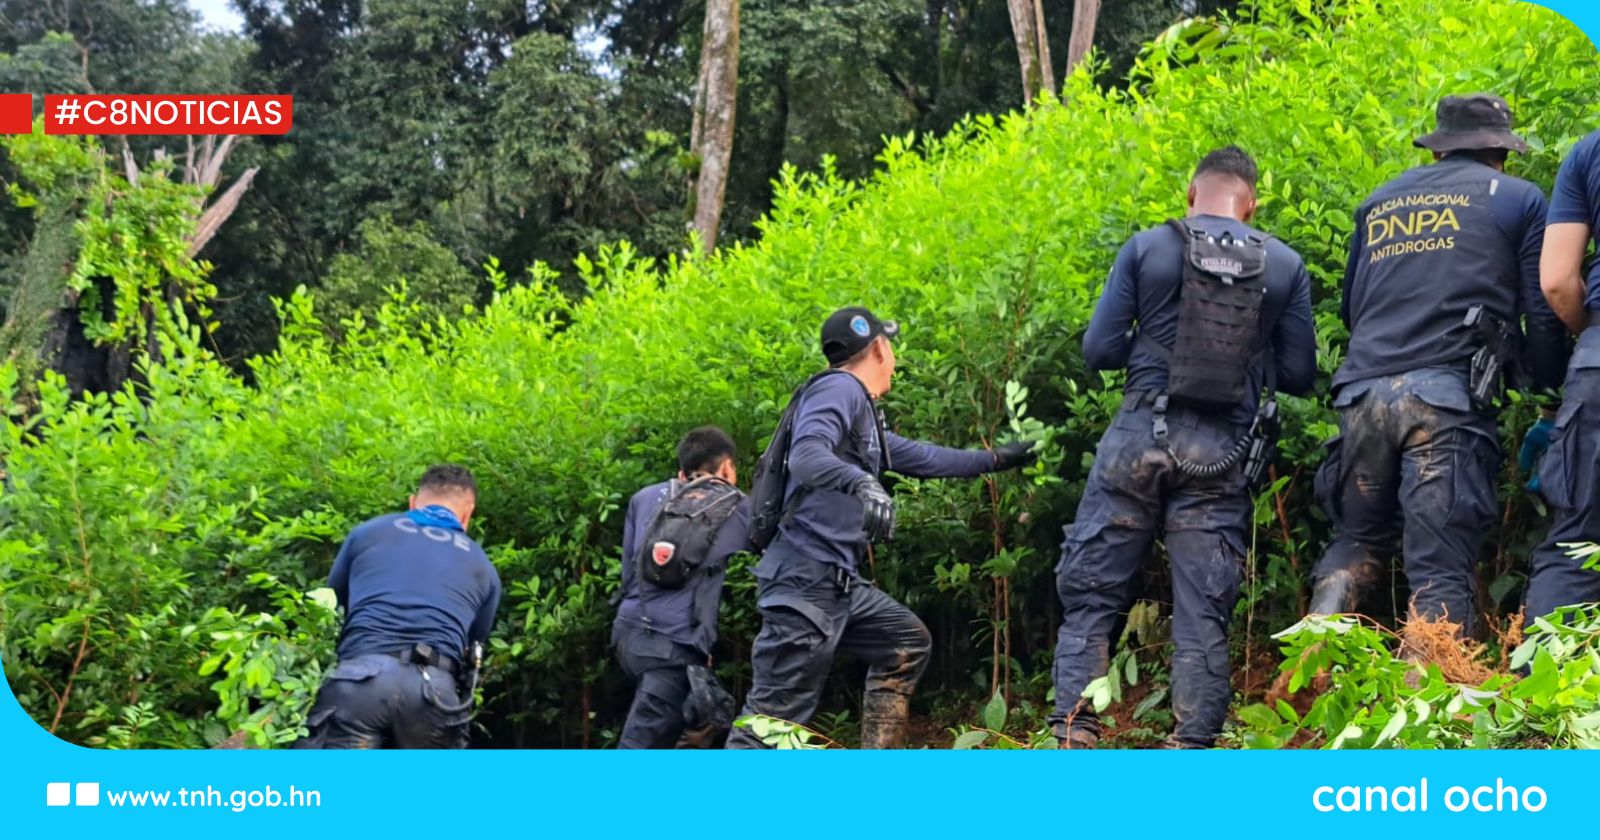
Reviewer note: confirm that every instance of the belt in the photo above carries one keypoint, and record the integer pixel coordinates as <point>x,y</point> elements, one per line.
<point>424,655</point>
<point>1138,399</point>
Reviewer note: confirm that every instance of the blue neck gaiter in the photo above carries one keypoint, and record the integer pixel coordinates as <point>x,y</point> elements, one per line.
<point>436,516</point>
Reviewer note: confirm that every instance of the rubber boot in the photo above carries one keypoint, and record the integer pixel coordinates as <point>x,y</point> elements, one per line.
<point>884,716</point>
<point>1336,593</point>
<point>1076,737</point>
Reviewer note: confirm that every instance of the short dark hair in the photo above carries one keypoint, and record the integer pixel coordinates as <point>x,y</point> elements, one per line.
<point>704,449</point>
<point>1488,156</point>
<point>858,356</point>
<point>1229,160</point>
<point>448,479</point>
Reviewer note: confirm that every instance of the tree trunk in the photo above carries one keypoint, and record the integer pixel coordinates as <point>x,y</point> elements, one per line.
<point>716,95</point>
<point>1033,47</point>
<point>1048,74</point>
<point>43,328</point>
<point>1084,15</point>
<point>1022,31</point>
<point>777,132</point>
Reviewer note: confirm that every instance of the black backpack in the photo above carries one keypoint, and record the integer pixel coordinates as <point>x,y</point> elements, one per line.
<point>1219,339</point>
<point>772,471</point>
<point>1219,318</point>
<point>680,536</point>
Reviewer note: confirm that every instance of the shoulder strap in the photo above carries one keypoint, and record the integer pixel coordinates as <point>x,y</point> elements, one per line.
<point>717,522</point>
<point>673,487</point>
<point>877,421</point>
<point>1187,236</point>
<point>800,394</point>
<point>1187,233</point>
<point>726,492</point>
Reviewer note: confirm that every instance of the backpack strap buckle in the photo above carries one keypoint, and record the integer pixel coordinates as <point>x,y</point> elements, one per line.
<point>1158,423</point>
<point>843,579</point>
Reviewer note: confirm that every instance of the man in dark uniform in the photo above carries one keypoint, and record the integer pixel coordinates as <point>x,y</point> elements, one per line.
<point>813,601</point>
<point>1159,469</point>
<point>417,592</point>
<point>660,631</point>
<point>1413,471</point>
<point>1569,474</point>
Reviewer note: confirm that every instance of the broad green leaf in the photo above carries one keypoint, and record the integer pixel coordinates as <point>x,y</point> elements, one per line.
<point>994,712</point>
<point>970,739</point>
<point>1396,723</point>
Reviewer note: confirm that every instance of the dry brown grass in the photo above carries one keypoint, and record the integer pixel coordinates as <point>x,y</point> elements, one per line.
<point>1300,700</point>
<point>1438,641</point>
<point>1423,642</point>
<point>1509,632</point>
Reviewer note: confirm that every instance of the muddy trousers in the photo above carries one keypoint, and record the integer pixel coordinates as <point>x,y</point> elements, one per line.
<point>378,702</point>
<point>1411,474</point>
<point>658,666</point>
<point>809,612</point>
<point>1134,494</point>
<point>1569,479</point>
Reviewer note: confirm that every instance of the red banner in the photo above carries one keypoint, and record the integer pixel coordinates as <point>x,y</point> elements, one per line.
<point>16,113</point>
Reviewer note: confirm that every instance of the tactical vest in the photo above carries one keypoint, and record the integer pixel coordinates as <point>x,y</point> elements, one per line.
<point>1219,319</point>
<point>1430,251</point>
<point>1219,340</point>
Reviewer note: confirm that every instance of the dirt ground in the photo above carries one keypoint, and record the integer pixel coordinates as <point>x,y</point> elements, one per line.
<point>1260,680</point>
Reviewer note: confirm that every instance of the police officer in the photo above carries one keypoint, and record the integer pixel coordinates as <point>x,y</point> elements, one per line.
<point>813,601</point>
<point>1568,475</point>
<point>1413,470</point>
<point>416,591</point>
<point>662,633</point>
<point>1173,467</point>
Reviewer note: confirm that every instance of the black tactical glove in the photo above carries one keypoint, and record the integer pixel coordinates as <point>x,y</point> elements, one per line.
<point>877,510</point>
<point>1013,455</point>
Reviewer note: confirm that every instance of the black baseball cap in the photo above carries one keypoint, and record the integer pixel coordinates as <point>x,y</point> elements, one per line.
<point>1474,121</point>
<point>849,331</point>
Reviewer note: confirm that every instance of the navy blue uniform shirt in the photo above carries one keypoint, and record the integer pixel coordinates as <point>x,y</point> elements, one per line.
<point>1429,245</point>
<point>1576,199</point>
<point>1143,288</point>
<point>688,614</point>
<point>401,583</point>
<point>835,446</point>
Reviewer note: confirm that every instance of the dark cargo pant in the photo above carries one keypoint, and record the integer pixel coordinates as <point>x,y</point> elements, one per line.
<point>658,666</point>
<point>806,616</point>
<point>378,702</point>
<point>1569,479</point>
<point>1412,474</point>
<point>1135,491</point>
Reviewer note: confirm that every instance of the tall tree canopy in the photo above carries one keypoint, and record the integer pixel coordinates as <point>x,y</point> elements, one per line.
<point>524,131</point>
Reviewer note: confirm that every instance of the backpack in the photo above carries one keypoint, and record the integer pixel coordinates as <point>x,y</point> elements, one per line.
<point>772,471</point>
<point>1219,319</point>
<point>1219,327</point>
<point>680,536</point>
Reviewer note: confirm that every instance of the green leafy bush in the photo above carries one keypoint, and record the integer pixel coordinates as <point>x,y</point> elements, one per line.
<point>1372,699</point>
<point>393,256</point>
<point>132,516</point>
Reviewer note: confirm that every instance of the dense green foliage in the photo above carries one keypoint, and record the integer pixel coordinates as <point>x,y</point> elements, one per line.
<point>1373,699</point>
<point>172,529</point>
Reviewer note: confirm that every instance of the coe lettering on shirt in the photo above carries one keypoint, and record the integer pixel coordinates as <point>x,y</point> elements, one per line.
<point>458,539</point>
